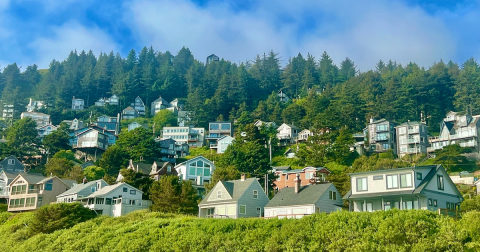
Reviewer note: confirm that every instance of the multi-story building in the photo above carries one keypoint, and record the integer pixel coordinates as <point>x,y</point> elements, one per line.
<point>113,100</point>
<point>194,137</point>
<point>8,111</point>
<point>35,105</point>
<point>287,134</point>
<point>92,137</point>
<point>40,118</point>
<point>78,104</point>
<point>457,128</point>
<point>139,106</point>
<point>217,130</point>
<point>109,123</point>
<point>74,124</point>
<point>412,138</point>
<point>29,192</point>
<point>158,105</point>
<point>381,136</point>
<point>421,187</point>
<point>129,113</point>
<point>46,130</point>
<point>308,176</point>
<point>198,170</point>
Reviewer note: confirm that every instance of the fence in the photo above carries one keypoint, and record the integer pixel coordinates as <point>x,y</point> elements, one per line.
<point>454,213</point>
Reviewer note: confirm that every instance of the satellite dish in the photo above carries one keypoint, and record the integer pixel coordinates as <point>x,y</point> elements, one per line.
<point>243,134</point>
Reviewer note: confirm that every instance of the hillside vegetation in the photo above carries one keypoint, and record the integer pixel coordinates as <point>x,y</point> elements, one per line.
<point>393,230</point>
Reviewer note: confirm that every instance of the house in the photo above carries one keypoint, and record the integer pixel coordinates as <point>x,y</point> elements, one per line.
<point>129,113</point>
<point>304,135</point>
<point>139,106</point>
<point>11,164</point>
<point>283,96</point>
<point>109,123</point>
<point>222,144</point>
<point>74,124</point>
<point>158,105</point>
<point>171,149</point>
<point>421,187</point>
<point>100,102</point>
<point>308,175</point>
<point>143,168</point>
<point>212,57</point>
<point>134,125</point>
<point>78,104</point>
<point>198,169</point>
<point>40,118</point>
<point>298,201</point>
<point>113,100</point>
<point>160,169</point>
<point>115,200</point>
<point>32,106</point>
<point>381,136</point>
<point>458,128</point>
<point>8,111</point>
<point>260,123</point>
<point>217,130</point>
<point>46,130</point>
<point>289,153</point>
<point>92,137</point>
<point>287,134</point>
<point>29,192</point>
<point>6,177</point>
<point>194,137</point>
<point>80,191</point>
<point>185,118</point>
<point>234,199</point>
<point>412,138</point>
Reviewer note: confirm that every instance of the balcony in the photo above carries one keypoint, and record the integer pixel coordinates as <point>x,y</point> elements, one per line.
<point>413,140</point>
<point>213,146</point>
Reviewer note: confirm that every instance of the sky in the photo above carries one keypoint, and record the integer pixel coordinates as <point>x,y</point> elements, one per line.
<point>424,32</point>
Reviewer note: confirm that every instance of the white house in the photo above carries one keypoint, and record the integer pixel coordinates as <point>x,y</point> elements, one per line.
<point>198,169</point>
<point>46,130</point>
<point>81,191</point>
<point>421,187</point>
<point>222,144</point>
<point>304,135</point>
<point>298,201</point>
<point>78,104</point>
<point>234,199</point>
<point>116,200</point>
<point>40,118</point>
<point>287,133</point>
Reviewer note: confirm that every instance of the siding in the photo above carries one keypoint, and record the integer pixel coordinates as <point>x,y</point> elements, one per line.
<point>251,203</point>
<point>376,186</point>
<point>219,188</point>
<point>327,205</point>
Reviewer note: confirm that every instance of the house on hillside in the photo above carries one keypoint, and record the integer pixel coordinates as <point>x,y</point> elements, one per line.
<point>308,175</point>
<point>78,104</point>
<point>109,123</point>
<point>194,137</point>
<point>234,199</point>
<point>80,191</point>
<point>212,58</point>
<point>12,164</point>
<point>6,177</point>
<point>115,200</point>
<point>32,106</point>
<point>421,187</point>
<point>40,118</point>
<point>222,144</point>
<point>412,138</point>
<point>129,113</point>
<point>199,170</point>
<point>160,169</point>
<point>298,201</point>
<point>259,124</point>
<point>134,125</point>
<point>287,134</point>
<point>46,130</point>
<point>29,192</point>
<point>74,124</point>
<point>381,136</point>
<point>283,96</point>
<point>304,135</point>
<point>158,105</point>
<point>139,106</point>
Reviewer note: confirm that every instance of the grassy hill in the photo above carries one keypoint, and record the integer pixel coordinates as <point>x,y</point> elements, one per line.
<point>343,231</point>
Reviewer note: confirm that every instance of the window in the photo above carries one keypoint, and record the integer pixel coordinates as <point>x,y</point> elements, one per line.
<point>386,146</point>
<point>392,181</point>
<point>382,127</point>
<point>440,182</point>
<point>243,209</point>
<point>11,161</point>
<point>378,177</point>
<point>430,202</point>
<point>402,130</point>
<point>206,172</point>
<point>279,178</point>
<point>419,176</point>
<point>169,168</point>
<point>332,195</point>
<point>448,205</point>
<point>219,194</point>
<point>191,171</point>
<point>286,177</point>
<point>133,192</point>
<point>108,201</point>
<point>406,180</point>
<point>255,194</point>
<point>49,185</point>
<point>258,210</point>
<point>435,203</point>
<point>125,189</point>
<point>361,184</point>
<point>308,175</point>
<point>225,126</point>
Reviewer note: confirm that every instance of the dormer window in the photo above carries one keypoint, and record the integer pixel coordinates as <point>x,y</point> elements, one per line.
<point>11,161</point>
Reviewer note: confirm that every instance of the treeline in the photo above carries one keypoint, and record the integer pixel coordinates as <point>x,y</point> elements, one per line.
<point>394,230</point>
<point>326,95</point>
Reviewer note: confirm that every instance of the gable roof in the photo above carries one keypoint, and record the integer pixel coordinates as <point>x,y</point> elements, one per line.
<point>141,167</point>
<point>79,187</point>
<point>235,188</point>
<point>195,158</point>
<point>107,189</point>
<point>308,194</point>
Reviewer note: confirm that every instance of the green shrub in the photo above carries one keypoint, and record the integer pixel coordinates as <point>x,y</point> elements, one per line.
<point>49,218</point>
<point>3,207</point>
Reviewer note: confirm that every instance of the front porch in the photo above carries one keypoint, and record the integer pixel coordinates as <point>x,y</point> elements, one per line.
<point>370,204</point>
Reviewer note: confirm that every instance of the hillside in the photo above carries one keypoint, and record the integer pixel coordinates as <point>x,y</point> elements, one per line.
<point>342,231</point>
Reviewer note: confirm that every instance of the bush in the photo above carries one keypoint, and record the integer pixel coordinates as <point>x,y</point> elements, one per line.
<point>49,218</point>
<point>3,207</point>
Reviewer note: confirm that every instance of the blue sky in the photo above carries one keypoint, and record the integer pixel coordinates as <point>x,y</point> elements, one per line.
<point>35,32</point>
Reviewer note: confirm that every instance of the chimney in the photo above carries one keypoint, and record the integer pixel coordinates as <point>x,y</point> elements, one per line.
<point>243,177</point>
<point>371,119</point>
<point>84,180</point>
<point>297,183</point>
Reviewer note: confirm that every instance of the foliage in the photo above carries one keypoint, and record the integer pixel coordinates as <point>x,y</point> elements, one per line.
<point>22,138</point>
<point>164,118</point>
<point>171,196</point>
<point>65,154</point>
<point>57,140</point>
<point>50,218</point>
<point>452,159</point>
<point>222,173</point>
<point>138,145</point>
<point>113,159</point>
<point>471,204</point>
<point>93,172</point>
<point>137,180</point>
<point>60,167</point>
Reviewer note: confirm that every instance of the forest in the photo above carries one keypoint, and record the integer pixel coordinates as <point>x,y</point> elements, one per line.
<point>325,95</point>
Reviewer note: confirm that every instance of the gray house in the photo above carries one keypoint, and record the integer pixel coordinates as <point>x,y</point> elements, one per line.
<point>381,135</point>
<point>412,138</point>
<point>11,164</point>
<point>298,201</point>
<point>81,191</point>
<point>234,199</point>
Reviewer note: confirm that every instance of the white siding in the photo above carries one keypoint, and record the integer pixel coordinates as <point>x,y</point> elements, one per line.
<point>290,211</point>
<point>375,186</point>
<point>223,193</point>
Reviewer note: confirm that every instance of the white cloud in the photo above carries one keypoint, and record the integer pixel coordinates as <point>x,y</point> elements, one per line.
<point>68,37</point>
<point>365,32</point>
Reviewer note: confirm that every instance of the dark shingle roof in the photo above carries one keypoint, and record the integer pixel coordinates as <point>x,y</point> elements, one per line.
<point>309,194</point>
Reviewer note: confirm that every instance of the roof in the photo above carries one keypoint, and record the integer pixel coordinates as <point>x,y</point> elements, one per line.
<point>197,157</point>
<point>79,187</point>
<point>278,168</point>
<point>128,108</point>
<point>142,167</point>
<point>33,179</point>
<point>107,189</point>
<point>235,188</point>
<point>160,99</point>
<point>309,194</point>
<point>396,169</point>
